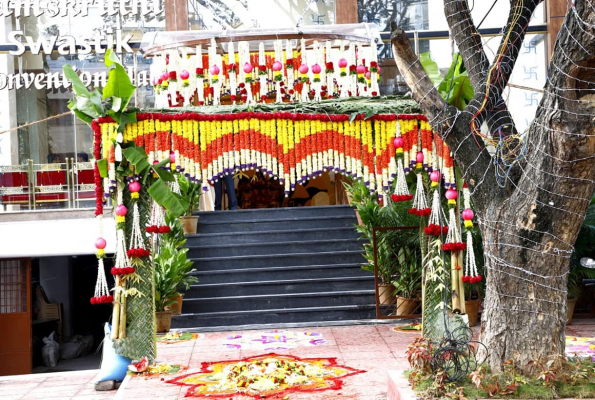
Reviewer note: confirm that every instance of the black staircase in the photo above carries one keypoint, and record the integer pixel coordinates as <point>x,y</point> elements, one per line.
<point>282,266</point>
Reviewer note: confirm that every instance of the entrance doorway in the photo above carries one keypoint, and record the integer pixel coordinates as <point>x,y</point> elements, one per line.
<point>15,317</point>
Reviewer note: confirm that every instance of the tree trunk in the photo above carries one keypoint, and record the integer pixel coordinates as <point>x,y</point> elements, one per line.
<point>529,225</point>
<point>529,238</point>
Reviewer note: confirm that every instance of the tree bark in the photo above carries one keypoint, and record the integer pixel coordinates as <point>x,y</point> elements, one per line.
<point>530,225</point>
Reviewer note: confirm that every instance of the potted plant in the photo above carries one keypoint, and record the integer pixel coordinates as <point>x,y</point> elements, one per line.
<point>175,258</point>
<point>408,281</point>
<point>390,258</point>
<point>190,191</point>
<point>166,282</point>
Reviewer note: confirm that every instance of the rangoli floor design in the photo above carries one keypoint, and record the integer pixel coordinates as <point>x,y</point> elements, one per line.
<point>269,375</point>
<point>274,340</point>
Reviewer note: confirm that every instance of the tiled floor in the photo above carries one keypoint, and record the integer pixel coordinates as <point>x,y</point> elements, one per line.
<point>373,348</point>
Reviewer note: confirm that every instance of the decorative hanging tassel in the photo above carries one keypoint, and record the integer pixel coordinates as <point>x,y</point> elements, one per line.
<point>420,203</point>
<point>101,295</point>
<point>401,189</point>
<point>137,246</point>
<point>471,274</point>
<point>122,262</point>
<point>453,238</point>
<point>158,224</point>
<point>435,228</point>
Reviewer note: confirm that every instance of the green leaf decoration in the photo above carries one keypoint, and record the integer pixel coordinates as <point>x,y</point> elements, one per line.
<point>126,118</point>
<point>118,82</point>
<point>174,203</point>
<point>102,166</point>
<point>116,104</point>
<point>137,157</point>
<point>353,116</point>
<point>431,68</point>
<point>78,87</point>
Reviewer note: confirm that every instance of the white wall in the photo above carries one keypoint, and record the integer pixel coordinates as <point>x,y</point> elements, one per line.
<point>59,237</point>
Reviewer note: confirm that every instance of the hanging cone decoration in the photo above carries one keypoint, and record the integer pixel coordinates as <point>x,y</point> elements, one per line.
<point>435,228</point>
<point>420,202</point>
<point>157,220</point>
<point>401,192</point>
<point>471,274</point>
<point>453,238</point>
<point>122,263</point>
<point>137,246</point>
<point>101,295</point>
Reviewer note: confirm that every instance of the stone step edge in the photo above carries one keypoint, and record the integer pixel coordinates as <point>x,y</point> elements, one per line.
<point>295,325</point>
<point>256,221</point>
<point>277,269</point>
<point>302,242</point>
<point>276,311</point>
<point>249,257</point>
<point>284,282</point>
<point>265,210</point>
<point>279,232</point>
<point>283,296</point>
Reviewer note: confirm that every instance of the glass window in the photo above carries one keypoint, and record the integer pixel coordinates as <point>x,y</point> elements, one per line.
<point>217,14</point>
<point>429,14</point>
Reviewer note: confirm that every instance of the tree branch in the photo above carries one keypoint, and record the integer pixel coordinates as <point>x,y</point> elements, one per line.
<point>446,120</point>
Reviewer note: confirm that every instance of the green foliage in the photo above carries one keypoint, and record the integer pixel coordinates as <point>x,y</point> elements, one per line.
<point>455,87</point>
<point>544,378</point>
<point>175,204</point>
<point>191,192</point>
<point>113,101</point>
<point>398,251</point>
<point>176,259</point>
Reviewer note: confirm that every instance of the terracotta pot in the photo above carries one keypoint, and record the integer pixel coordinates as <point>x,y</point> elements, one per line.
<point>176,308</point>
<point>407,306</point>
<point>571,303</point>
<point>472,308</point>
<point>189,224</point>
<point>386,294</point>
<point>163,321</point>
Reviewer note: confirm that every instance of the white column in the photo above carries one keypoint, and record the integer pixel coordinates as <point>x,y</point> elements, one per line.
<point>8,114</point>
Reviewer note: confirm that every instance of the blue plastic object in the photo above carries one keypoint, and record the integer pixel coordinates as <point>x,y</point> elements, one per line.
<point>113,365</point>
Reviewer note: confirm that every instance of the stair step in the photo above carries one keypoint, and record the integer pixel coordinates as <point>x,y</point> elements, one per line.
<point>347,232</point>
<point>276,316</point>
<point>278,301</point>
<point>262,224</point>
<point>257,249</point>
<point>278,287</point>
<point>281,273</point>
<point>278,260</point>
<point>275,213</point>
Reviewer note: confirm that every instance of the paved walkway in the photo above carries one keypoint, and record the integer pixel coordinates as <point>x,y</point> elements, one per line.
<point>375,349</point>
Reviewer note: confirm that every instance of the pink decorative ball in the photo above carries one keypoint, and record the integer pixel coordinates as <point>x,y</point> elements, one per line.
<point>121,210</point>
<point>342,63</point>
<point>368,75</point>
<point>172,157</point>
<point>379,70</point>
<point>134,186</point>
<point>304,69</point>
<point>419,157</point>
<point>398,142</point>
<point>435,176</point>
<point>277,66</point>
<point>100,243</point>
<point>316,68</point>
<point>248,68</point>
<point>468,214</point>
<point>214,70</point>
<point>361,69</point>
<point>184,74</point>
<point>164,75</point>
<point>451,194</point>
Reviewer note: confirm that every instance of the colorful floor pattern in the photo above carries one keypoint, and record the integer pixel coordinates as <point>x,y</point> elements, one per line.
<point>580,347</point>
<point>177,337</point>
<point>274,340</point>
<point>268,375</point>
